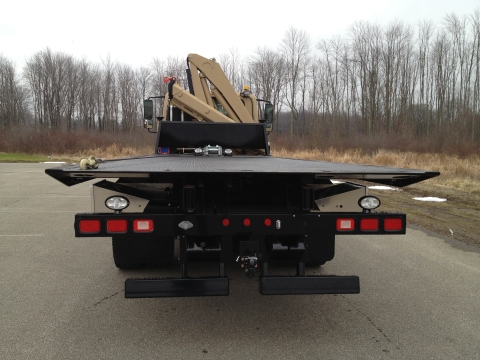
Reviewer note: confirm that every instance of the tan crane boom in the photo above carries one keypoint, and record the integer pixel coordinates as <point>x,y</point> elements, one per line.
<point>211,97</point>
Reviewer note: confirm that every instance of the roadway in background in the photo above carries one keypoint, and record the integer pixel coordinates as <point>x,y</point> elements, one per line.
<point>62,297</point>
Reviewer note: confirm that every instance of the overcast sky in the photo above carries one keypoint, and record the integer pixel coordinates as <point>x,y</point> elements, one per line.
<point>133,32</point>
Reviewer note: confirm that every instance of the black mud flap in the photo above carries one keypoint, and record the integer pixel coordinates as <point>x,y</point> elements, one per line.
<point>150,288</point>
<point>301,285</point>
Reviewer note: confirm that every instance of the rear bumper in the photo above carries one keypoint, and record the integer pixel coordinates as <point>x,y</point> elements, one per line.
<point>316,234</point>
<point>213,225</point>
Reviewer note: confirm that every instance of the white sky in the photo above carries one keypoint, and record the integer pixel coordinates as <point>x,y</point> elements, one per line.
<point>135,32</point>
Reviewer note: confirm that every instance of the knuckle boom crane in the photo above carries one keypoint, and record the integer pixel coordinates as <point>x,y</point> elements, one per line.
<point>212,192</point>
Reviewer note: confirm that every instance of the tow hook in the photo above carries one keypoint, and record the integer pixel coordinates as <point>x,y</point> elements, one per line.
<point>249,263</point>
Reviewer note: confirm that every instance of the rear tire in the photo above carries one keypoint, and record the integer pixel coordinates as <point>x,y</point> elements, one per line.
<point>137,253</point>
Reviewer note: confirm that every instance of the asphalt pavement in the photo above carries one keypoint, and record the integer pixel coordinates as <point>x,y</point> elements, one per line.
<point>62,297</point>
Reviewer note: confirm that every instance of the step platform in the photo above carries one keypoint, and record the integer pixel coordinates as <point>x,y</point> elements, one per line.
<point>151,288</point>
<point>219,286</point>
<point>303,285</point>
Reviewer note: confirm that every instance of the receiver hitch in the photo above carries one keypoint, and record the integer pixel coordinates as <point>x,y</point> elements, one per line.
<point>249,263</point>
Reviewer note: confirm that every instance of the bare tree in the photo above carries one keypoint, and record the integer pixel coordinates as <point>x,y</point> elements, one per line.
<point>424,100</point>
<point>295,49</point>
<point>232,65</point>
<point>13,96</point>
<point>374,80</point>
<point>475,118</point>
<point>265,75</point>
<point>144,77</point>
<point>333,59</point>
<point>71,91</point>
<point>397,39</point>
<point>366,46</point>
<point>47,74</point>
<point>89,85</point>
<point>108,96</point>
<point>129,95</point>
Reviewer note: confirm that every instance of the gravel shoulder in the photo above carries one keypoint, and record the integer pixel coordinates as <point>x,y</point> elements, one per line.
<point>456,218</point>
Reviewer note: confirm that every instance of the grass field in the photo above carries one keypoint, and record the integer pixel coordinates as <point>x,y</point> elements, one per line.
<point>4,157</point>
<point>457,172</point>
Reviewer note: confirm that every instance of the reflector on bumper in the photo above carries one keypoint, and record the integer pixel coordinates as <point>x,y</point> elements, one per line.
<point>143,225</point>
<point>117,226</point>
<point>345,224</point>
<point>89,226</point>
<point>393,224</point>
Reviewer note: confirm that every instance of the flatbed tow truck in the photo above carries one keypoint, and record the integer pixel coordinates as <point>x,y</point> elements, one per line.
<point>212,192</point>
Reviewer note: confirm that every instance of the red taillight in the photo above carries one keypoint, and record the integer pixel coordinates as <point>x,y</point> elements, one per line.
<point>117,226</point>
<point>246,222</point>
<point>267,222</point>
<point>89,226</point>
<point>369,224</point>
<point>225,222</point>
<point>393,224</point>
<point>142,225</point>
<point>345,224</point>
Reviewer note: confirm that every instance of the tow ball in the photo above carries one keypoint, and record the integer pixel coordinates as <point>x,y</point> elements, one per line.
<point>249,263</point>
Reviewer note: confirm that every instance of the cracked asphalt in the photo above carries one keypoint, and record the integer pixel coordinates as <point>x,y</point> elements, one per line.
<point>62,297</point>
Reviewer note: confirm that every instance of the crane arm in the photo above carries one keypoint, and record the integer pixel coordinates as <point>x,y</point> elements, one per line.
<point>202,69</point>
<point>195,107</point>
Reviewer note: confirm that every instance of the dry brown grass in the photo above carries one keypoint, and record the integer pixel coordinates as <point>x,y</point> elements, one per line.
<point>114,151</point>
<point>77,144</point>
<point>462,173</point>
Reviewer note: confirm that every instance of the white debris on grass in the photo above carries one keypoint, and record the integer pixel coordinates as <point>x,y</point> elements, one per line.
<point>430,198</point>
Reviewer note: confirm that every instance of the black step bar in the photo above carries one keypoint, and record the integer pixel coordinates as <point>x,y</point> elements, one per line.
<point>303,285</point>
<point>150,288</point>
<point>219,286</point>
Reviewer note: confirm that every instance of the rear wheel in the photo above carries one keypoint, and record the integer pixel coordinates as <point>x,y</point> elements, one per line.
<point>132,253</point>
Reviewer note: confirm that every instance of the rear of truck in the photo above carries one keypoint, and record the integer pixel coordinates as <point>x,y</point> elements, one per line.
<point>206,204</point>
<point>211,192</point>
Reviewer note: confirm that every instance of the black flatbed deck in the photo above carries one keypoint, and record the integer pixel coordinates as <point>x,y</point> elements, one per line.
<point>184,165</point>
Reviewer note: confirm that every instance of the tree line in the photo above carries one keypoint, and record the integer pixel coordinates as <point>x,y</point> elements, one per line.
<point>372,80</point>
